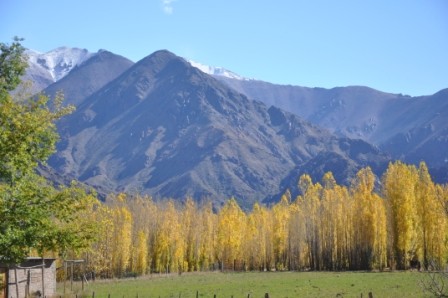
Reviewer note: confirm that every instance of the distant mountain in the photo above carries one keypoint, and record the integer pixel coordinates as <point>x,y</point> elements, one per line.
<point>88,77</point>
<point>216,71</point>
<point>424,131</point>
<point>59,62</point>
<point>355,112</point>
<point>412,129</point>
<point>165,128</point>
<point>49,67</point>
<point>409,128</point>
<point>174,131</point>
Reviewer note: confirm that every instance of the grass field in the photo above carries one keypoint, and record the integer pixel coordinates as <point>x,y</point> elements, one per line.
<point>277,284</point>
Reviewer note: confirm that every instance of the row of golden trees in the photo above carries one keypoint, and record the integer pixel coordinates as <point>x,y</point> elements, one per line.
<point>328,227</point>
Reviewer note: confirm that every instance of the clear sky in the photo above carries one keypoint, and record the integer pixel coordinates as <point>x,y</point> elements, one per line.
<point>398,46</point>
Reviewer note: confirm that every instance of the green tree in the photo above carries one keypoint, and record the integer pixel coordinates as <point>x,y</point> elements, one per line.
<point>33,213</point>
<point>12,65</point>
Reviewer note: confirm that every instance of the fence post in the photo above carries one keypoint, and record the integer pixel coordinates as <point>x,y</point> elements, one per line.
<point>197,294</point>
<point>370,295</point>
<point>266,295</point>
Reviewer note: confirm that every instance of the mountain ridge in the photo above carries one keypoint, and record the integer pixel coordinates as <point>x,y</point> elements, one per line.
<point>409,128</point>
<point>88,77</point>
<point>414,131</point>
<point>165,128</point>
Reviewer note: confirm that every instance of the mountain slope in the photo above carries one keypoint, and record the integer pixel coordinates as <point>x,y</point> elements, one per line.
<point>165,128</point>
<point>409,128</point>
<point>348,111</point>
<point>87,78</point>
<point>424,131</point>
<point>47,68</point>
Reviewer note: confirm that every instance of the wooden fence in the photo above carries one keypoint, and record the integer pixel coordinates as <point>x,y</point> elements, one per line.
<point>137,296</point>
<point>266,295</point>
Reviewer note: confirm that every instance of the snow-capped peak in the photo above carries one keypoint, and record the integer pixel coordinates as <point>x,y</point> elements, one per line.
<point>216,71</point>
<point>58,62</point>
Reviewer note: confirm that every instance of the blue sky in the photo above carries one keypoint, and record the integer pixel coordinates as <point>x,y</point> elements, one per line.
<point>398,46</point>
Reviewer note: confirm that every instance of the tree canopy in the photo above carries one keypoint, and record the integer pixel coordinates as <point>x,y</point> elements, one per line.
<point>34,214</point>
<point>328,227</point>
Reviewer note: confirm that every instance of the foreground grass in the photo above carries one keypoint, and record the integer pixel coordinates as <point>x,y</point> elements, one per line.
<point>277,284</point>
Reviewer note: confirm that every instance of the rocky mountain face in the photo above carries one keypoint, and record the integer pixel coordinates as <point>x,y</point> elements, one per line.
<point>424,133</point>
<point>409,128</point>
<point>165,128</point>
<point>162,127</point>
<point>47,68</point>
<point>87,78</point>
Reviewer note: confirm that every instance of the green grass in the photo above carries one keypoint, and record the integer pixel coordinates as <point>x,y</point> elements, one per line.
<point>277,284</point>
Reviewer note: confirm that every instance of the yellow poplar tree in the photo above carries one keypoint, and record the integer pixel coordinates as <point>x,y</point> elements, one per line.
<point>100,255</point>
<point>432,219</point>
<point>442,197</point>
<point>121,235</point>
<point>298,251</point>
<point>141,253</point>
<point>231,228</point>
<point>251,249</point>
<point>207,229</point>
<point>258,239</point>
<point>144,223</point>
<point>399,183</point>
<point>369,223</point>
<point>190,229</point>
<point>170,245</point>
<point>335,216</point>
<point>310,205</point>
<point>281,216</point>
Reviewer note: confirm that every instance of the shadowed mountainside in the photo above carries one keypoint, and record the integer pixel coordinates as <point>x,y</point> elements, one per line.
<point>86,79</point>
<point>165,128</point>
<point>409,128</point>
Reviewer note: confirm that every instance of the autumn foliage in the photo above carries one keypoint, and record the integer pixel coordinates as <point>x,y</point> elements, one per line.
<point>327,227</point>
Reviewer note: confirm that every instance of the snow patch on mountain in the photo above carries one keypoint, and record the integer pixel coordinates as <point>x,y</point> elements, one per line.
<point>216,71</point>
<point>58,62</point>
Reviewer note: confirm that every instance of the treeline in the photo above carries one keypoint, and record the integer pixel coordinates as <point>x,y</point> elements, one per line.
<point>328,227</point>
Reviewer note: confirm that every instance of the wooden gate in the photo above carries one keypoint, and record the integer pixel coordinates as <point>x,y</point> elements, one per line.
<point>3,282</point>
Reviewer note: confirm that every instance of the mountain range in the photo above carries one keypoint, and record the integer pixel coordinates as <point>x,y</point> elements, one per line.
<point>173,128</point>
<point>412,129</point>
